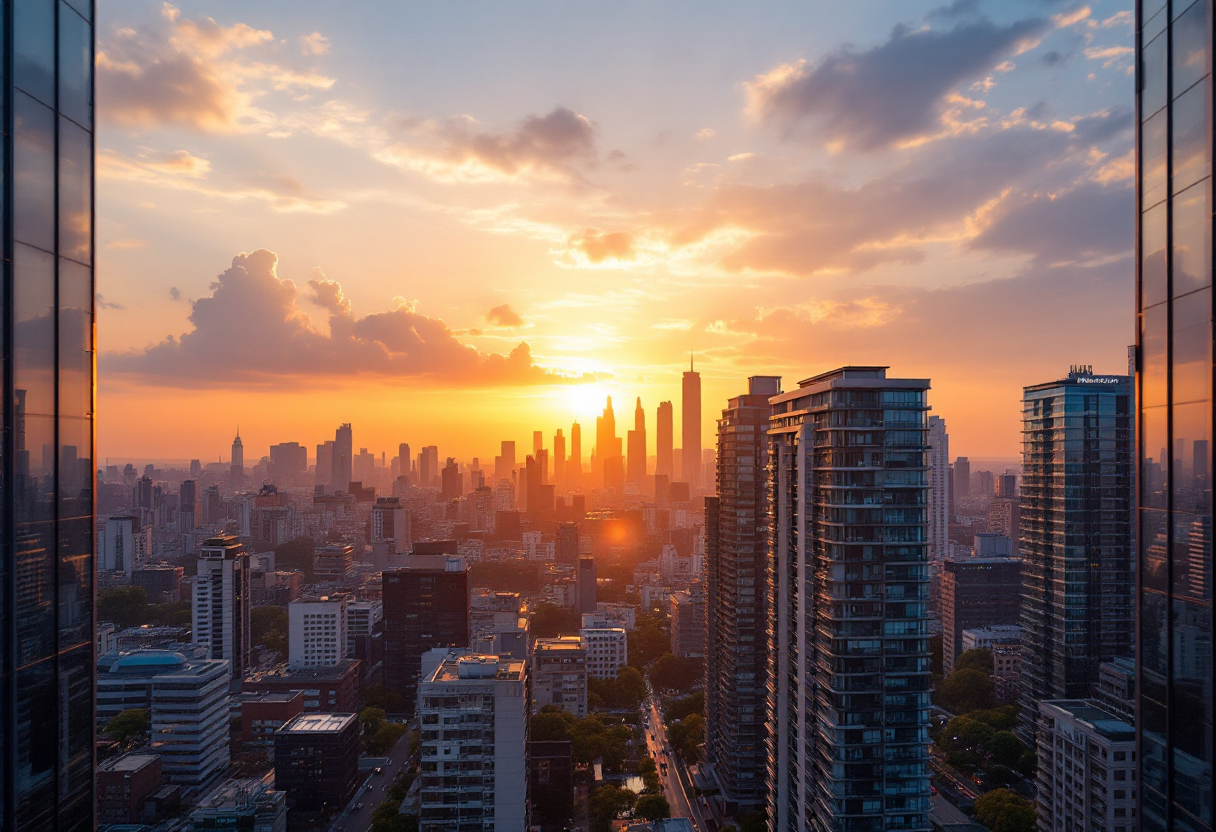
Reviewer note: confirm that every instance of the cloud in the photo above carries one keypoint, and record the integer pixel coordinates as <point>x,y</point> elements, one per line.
<point>598,247</point>
<point>887,94</point>
<point>175,294</point>
<point>552,146</point>
<point>314,44</point>
<point>251,331</point>
<point>196,74</point>
<point>102,303</point>
<point>706,133</point>
<point>504,316</point>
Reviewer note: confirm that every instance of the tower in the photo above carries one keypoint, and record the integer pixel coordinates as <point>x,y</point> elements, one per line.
<point>575,467</point>
<point>343,458</point>
<point>939,493</point>
<point>608,452</point>
<point>690,423</point>
<point>636,461</point>
<point>220,612</point>
<point>664,442</point>
<point>559,459</point>
<point>237,476</point>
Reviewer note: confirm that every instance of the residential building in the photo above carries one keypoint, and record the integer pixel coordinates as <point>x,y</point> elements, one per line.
<point>607,650</point>
<point>271,519</point>
<point>248,805</point>
<point>123,784</point>
<point>316,760</point>
<point>736,607</point>
<point>363,620</point>
<point>559,674</point>
<point>849,652</point>
<point>961,484</point>
<point>162,583</point>
<point>390,521</point>
<point>333,562</point>
<point>551,784</point>
<point>288,462</point>
<point>939,493</point>
<point>566,549</point>
<point>220,609</point>
<point>585,584</point>
<point>690,428</point>
<point>473,722</point>
<point>1076,535</point>
<point>1086,780</point>
<point>1116,691</point>
<point>123,545</point>
<point>977,592</point>
<point>688,622</point>
<point>426,605</point>
<point>317,631</point>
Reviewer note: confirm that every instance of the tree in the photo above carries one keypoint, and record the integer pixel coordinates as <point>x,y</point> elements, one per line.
<point>631,687</point>
<point>375,696</point>
<point>753,822</point>
<point>265,619</point>
<point>131,724</point>
<point>607,803</point>
<point>683,708</point>
<point>936,661</point>
<point>552,724</point>
<point>652,807</point>
<point>967,690</point>
<point>980,660</point>
<point>379,735</point>
<point>296,554</point>
<point>686,736</point>
<point>1003,811</point>
<point>1005,748</point>
<point>646,644</point>
<point>551,621</point>
<point>675,673</point>
<point>126,606</point>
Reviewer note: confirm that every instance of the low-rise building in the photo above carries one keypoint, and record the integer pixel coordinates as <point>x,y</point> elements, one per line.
<point>245,805</point>
<point>316,761</point>
<point>262,714</point>
<point>559,674</point>
<point>473,715</point>
<point>1087,769</point>
<point>607,650</point>
<point>326,689</point>
<point>123,784</point>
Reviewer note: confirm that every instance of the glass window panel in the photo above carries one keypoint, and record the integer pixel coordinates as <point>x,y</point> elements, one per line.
<point>75,582</point>
<point>36,749</point>
<point>1154,21</point>
<point>1154,68</point>
<point>1154,647</point>
<point>76,709</point>
<point>1153,286</point>
<point>1154,328</point>
<point>75,62</point>
<point>1153,808</point>
<point>1190,33</point>
<point>1154,568</point>
<point>85,7</point>
<point>35,596</point>
<point>75,339</point>
<point>1192,555</point>
<point>1192,264</point>
<point>1192,358</point>
<point>34,483</point>
<point>1193,448</point>
<point>75,191</point>
<point>34,329</point>
<point>33,173</point>
<point>75,467</point>
<point>1152,159</point>
<point>34,48</point>
<point>1190,714</point>
<point>1192,114</point>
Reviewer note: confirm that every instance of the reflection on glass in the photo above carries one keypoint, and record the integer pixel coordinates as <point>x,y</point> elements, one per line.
<point>75,339</point>
<point>1154,540</point>
<point>1193,348</point>
<point>75,189</point>
<point>75,467</point>
<point>1152,158</point>
<point>1192,266</point>
<point>34,481</point>
<point>34,328</point>
<point>75,60</point>
<point>1190,32</point>
<point>1154,328</point>
<point>36,722</point>
<point>1192,117</point>
<point>1153,288</point>
<point>33,172</point>
<point>1154,68</point>
<point>75,582</point>
<point>34,48</point>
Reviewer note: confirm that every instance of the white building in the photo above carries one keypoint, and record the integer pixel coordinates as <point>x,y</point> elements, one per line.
<point>188,704</point>
<point>939,491</point>
<point>220,611</point>
<point>559,674</point>
<point>473,714</point>
<point>123,545</point>
<point>362,618</point>
<point>536,549</point>
<point>607,650</point>
<point>986,638</point>
<point>1087,769</point>
<point>317,632</point>
<point>612,614</point>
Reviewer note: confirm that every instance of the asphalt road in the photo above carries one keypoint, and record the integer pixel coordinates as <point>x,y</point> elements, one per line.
<point>682,806</point>
<point>373,790</point>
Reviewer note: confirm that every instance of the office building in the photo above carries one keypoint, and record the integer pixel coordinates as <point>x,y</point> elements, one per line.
<point>609,455</point>
<point>123,783</point>
<point>566,548</point>
<point>333,562</point>
<point>1087,769</point>
<point>991,545</point>
<point>187,701</point>
<point>664,442</point>
<point>390,521</point>
<point>939,493</point>
<point>977,592</point>
<point>961,482</point>
<point>364,619</point>
<point>342,459</point>
<point>124,545</point>
<point>636,447</point>
<point>162,583</point>
<point>242,804</point>
<point>736,610</point>
<point>585,584</point>
<point>236,477</point>
<point>574,468</point>
<point>690,428</point>
<point>324,473</point>
<point>1175,418</point>
<point>262,714</point>
<point>316,632</point>
<point>1116,691</point>
<point>451,482</point>
<point>288,462</point>
<point>187,506</point>
<point>220,611</point>
<point>405,462</point>
<point>326,689</point>
<point>559,459</point>
<point>316,761</point>
<point>271,519</point>
<point>473,722</point>
<point>849,651</point>
<point>607,650</point>
<point>428,467</point>
<point>426,605</point>
<point>1076,535</point>
<point>551,783</point>
<point>559,674</point>
<point>688,622</point>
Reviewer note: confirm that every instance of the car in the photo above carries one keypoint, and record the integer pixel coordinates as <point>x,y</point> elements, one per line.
<point>358,806</point>
<point>379,770</point>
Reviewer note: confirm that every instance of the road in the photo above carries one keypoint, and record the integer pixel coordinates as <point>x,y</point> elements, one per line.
<point>373,790</point>
<point>673,784</point>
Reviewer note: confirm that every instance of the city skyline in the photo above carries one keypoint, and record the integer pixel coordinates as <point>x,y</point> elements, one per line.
<point>452,223</point>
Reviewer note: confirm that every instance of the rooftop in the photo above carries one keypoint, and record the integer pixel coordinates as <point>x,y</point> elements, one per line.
<point>318,724</point>
<point>561,643</point>
<point>478,669</point>
<point>128,762</point>
<point>1103,722</point>
<point>332,673</point>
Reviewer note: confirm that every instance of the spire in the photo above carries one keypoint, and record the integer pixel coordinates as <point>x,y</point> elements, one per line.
<point>692,364</point>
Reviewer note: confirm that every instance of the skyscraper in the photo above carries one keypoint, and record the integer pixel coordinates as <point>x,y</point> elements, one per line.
<point>736,550</point>
<point>46,507</point>
<point>663,441</point>
<point>187,506</point>
<point>608,451</point>
<point>1076,535</point>
<point>237,477</point>
<point>574,469</point>
<point>962,477</point>
<point>343,458</point>
<point>848,583</point>
<point>559,459</point>
<point>635,471</point>
<point>220,612</point>
<point>404,460</point>
<point>428,466</point>
<point>939,492</point>
<point>690,422</point>
<point>325,464</point>
<point>1174,377</point>
<point>425,605</point>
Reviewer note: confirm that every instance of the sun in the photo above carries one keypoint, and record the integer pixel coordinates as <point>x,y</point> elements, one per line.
<point>585,401</point>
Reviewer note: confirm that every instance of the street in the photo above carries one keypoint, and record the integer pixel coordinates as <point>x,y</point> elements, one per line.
<point>682,806</point>
<point>373,790</point>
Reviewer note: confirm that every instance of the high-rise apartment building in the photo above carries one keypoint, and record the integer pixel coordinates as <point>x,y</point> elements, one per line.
<point>607,650</point>
<point>428,466</point>
<point>220,612</point>
<point>316,632</point>
<point>1087,769</point>
<point>559,674</point>
<point>124,545</point>
<point>849,625</point>
<point>405,462</point>
<point>343,458</point>
<point>473,724</point>
<point>426,605</point>
<point>939,493</point>
<point>187,507</point>
<point>977,592</point>
<point>324,473</point>
<point>736,558</point>
<point>390,521</point>
<point>1174,376</point>
<point>664,442</point>
<point>288,462</point>
<point>566,550</point>
<point>690,428</point>
<point>961,486</point>
<point>585,584</point>
<point>559,459</point>
<point>1076,535</point>
<point>688,622</point>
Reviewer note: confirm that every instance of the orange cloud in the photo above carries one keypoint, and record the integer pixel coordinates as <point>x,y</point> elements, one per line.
<point>505,316</point>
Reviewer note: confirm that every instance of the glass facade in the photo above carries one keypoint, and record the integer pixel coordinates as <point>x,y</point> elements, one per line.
<point>46,490</point>
<point>1174,393</point>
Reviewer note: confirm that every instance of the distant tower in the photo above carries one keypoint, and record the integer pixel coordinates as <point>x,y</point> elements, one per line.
<point>404,460</point>
<point>559,459</point>
<point>636,470</point>
<point>538,440</point>
<point>608,451</point>
<point>575,467</point>
<point>663,437</point>
<point>343,458</point>
<point>238,462</point>
<point>939,493</point>
<point>690,418</point>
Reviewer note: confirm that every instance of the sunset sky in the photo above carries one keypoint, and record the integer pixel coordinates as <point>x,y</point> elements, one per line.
<point>454,223</point>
